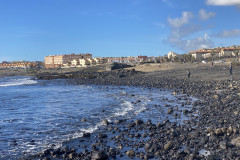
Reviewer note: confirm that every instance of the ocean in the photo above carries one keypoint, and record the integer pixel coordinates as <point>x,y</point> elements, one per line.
<point>38,114</point>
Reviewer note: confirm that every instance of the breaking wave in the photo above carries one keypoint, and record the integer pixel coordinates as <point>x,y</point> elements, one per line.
<point>17,82</point>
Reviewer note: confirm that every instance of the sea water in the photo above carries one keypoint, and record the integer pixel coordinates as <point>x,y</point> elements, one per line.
<point>35,115</point>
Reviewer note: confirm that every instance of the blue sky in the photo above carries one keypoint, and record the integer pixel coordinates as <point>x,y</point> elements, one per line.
<point>33,29</point>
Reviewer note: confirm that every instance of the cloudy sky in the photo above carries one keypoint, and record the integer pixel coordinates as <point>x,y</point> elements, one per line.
<point>32,29</point>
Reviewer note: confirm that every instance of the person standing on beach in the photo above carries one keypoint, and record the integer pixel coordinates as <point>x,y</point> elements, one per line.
<point>188,73</point>
<point>230,68</point>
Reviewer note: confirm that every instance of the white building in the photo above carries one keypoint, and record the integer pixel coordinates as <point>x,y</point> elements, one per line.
<point>172,54</point>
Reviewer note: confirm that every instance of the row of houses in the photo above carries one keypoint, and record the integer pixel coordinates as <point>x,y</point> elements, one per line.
<point>83,60</point>
<point>207,53</point>
<point>21,64</point>
<point>216,52</point>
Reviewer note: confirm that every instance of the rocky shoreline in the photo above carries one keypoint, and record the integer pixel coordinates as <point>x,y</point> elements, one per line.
<point>214,132</point>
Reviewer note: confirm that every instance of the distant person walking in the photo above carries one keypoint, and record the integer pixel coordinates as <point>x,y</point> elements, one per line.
<point>230,68</point>
<point>188,73</point>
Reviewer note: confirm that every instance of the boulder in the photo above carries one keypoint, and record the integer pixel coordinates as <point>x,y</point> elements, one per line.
<point>168,146</point>
<point>139,122</point>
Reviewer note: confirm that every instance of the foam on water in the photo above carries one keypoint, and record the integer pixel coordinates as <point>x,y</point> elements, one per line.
<point>17,82</point>
<point>126,106</point>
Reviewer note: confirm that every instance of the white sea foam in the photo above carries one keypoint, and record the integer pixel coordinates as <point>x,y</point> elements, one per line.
<point>126,107</point>
<point>141,108</point>
<point>18,82</point>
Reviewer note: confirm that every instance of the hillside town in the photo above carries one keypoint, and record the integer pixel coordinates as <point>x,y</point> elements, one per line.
<point>85,60</point>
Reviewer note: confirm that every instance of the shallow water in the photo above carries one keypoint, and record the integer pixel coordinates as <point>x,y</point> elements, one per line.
<point>37,114</point>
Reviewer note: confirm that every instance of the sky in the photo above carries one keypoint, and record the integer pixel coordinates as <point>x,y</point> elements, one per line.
<point>33,29</point>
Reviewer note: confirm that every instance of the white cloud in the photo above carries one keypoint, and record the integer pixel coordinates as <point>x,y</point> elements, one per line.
<point>223,2</point>
<point>228,33</point>
<point>182,29</point>
<point>178,22</point>
<point>204,15</point>
<point>190,44</point>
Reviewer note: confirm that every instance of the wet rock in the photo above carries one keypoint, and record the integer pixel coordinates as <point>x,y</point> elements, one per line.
<point>185,111</point>
<point>72,155</point>
<point>105,122</point>
<point>83,120</point>
<point>99,155</point>
<point>148,156</point>
<point>138,101</point>
<point>130,153</point>
<point>102,136</point>
<point>138,135</point>
<point>139,122</point>
<point>112,153</point>
<point>212,157</point>
<point>170,111</point>
<point>119,121</point>
<point>174,93</point>
<point>86,134</point>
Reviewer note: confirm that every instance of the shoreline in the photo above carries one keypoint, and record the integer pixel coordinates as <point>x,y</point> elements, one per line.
<point>217,130</point>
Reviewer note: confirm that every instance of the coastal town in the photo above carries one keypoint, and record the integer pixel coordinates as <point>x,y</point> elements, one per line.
<point>84,60</point>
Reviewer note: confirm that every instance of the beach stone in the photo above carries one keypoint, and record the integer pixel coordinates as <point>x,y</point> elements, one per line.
<point>112,153</point>
<point>105,122</point>
<point>99,155</point>
<point>102,136</point>
<point>148,156</point>
<point>139,122</point>
<point>185,111</point>
<point>72,155</point>
<point>215,96</point>
<point>236,141</point>
<point>223,144</point>
<point>119,121</point>
<point>168,146</point>
<point>236,113</point>
<point>174,93</point>
<point>211,157</point>
<point>138,135</point>
<point>130,153</point>
<point>170,111</point>
<point>229,131</point>
<point>219,132</point>
<point>83,120</point>
<point>87,134</point>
